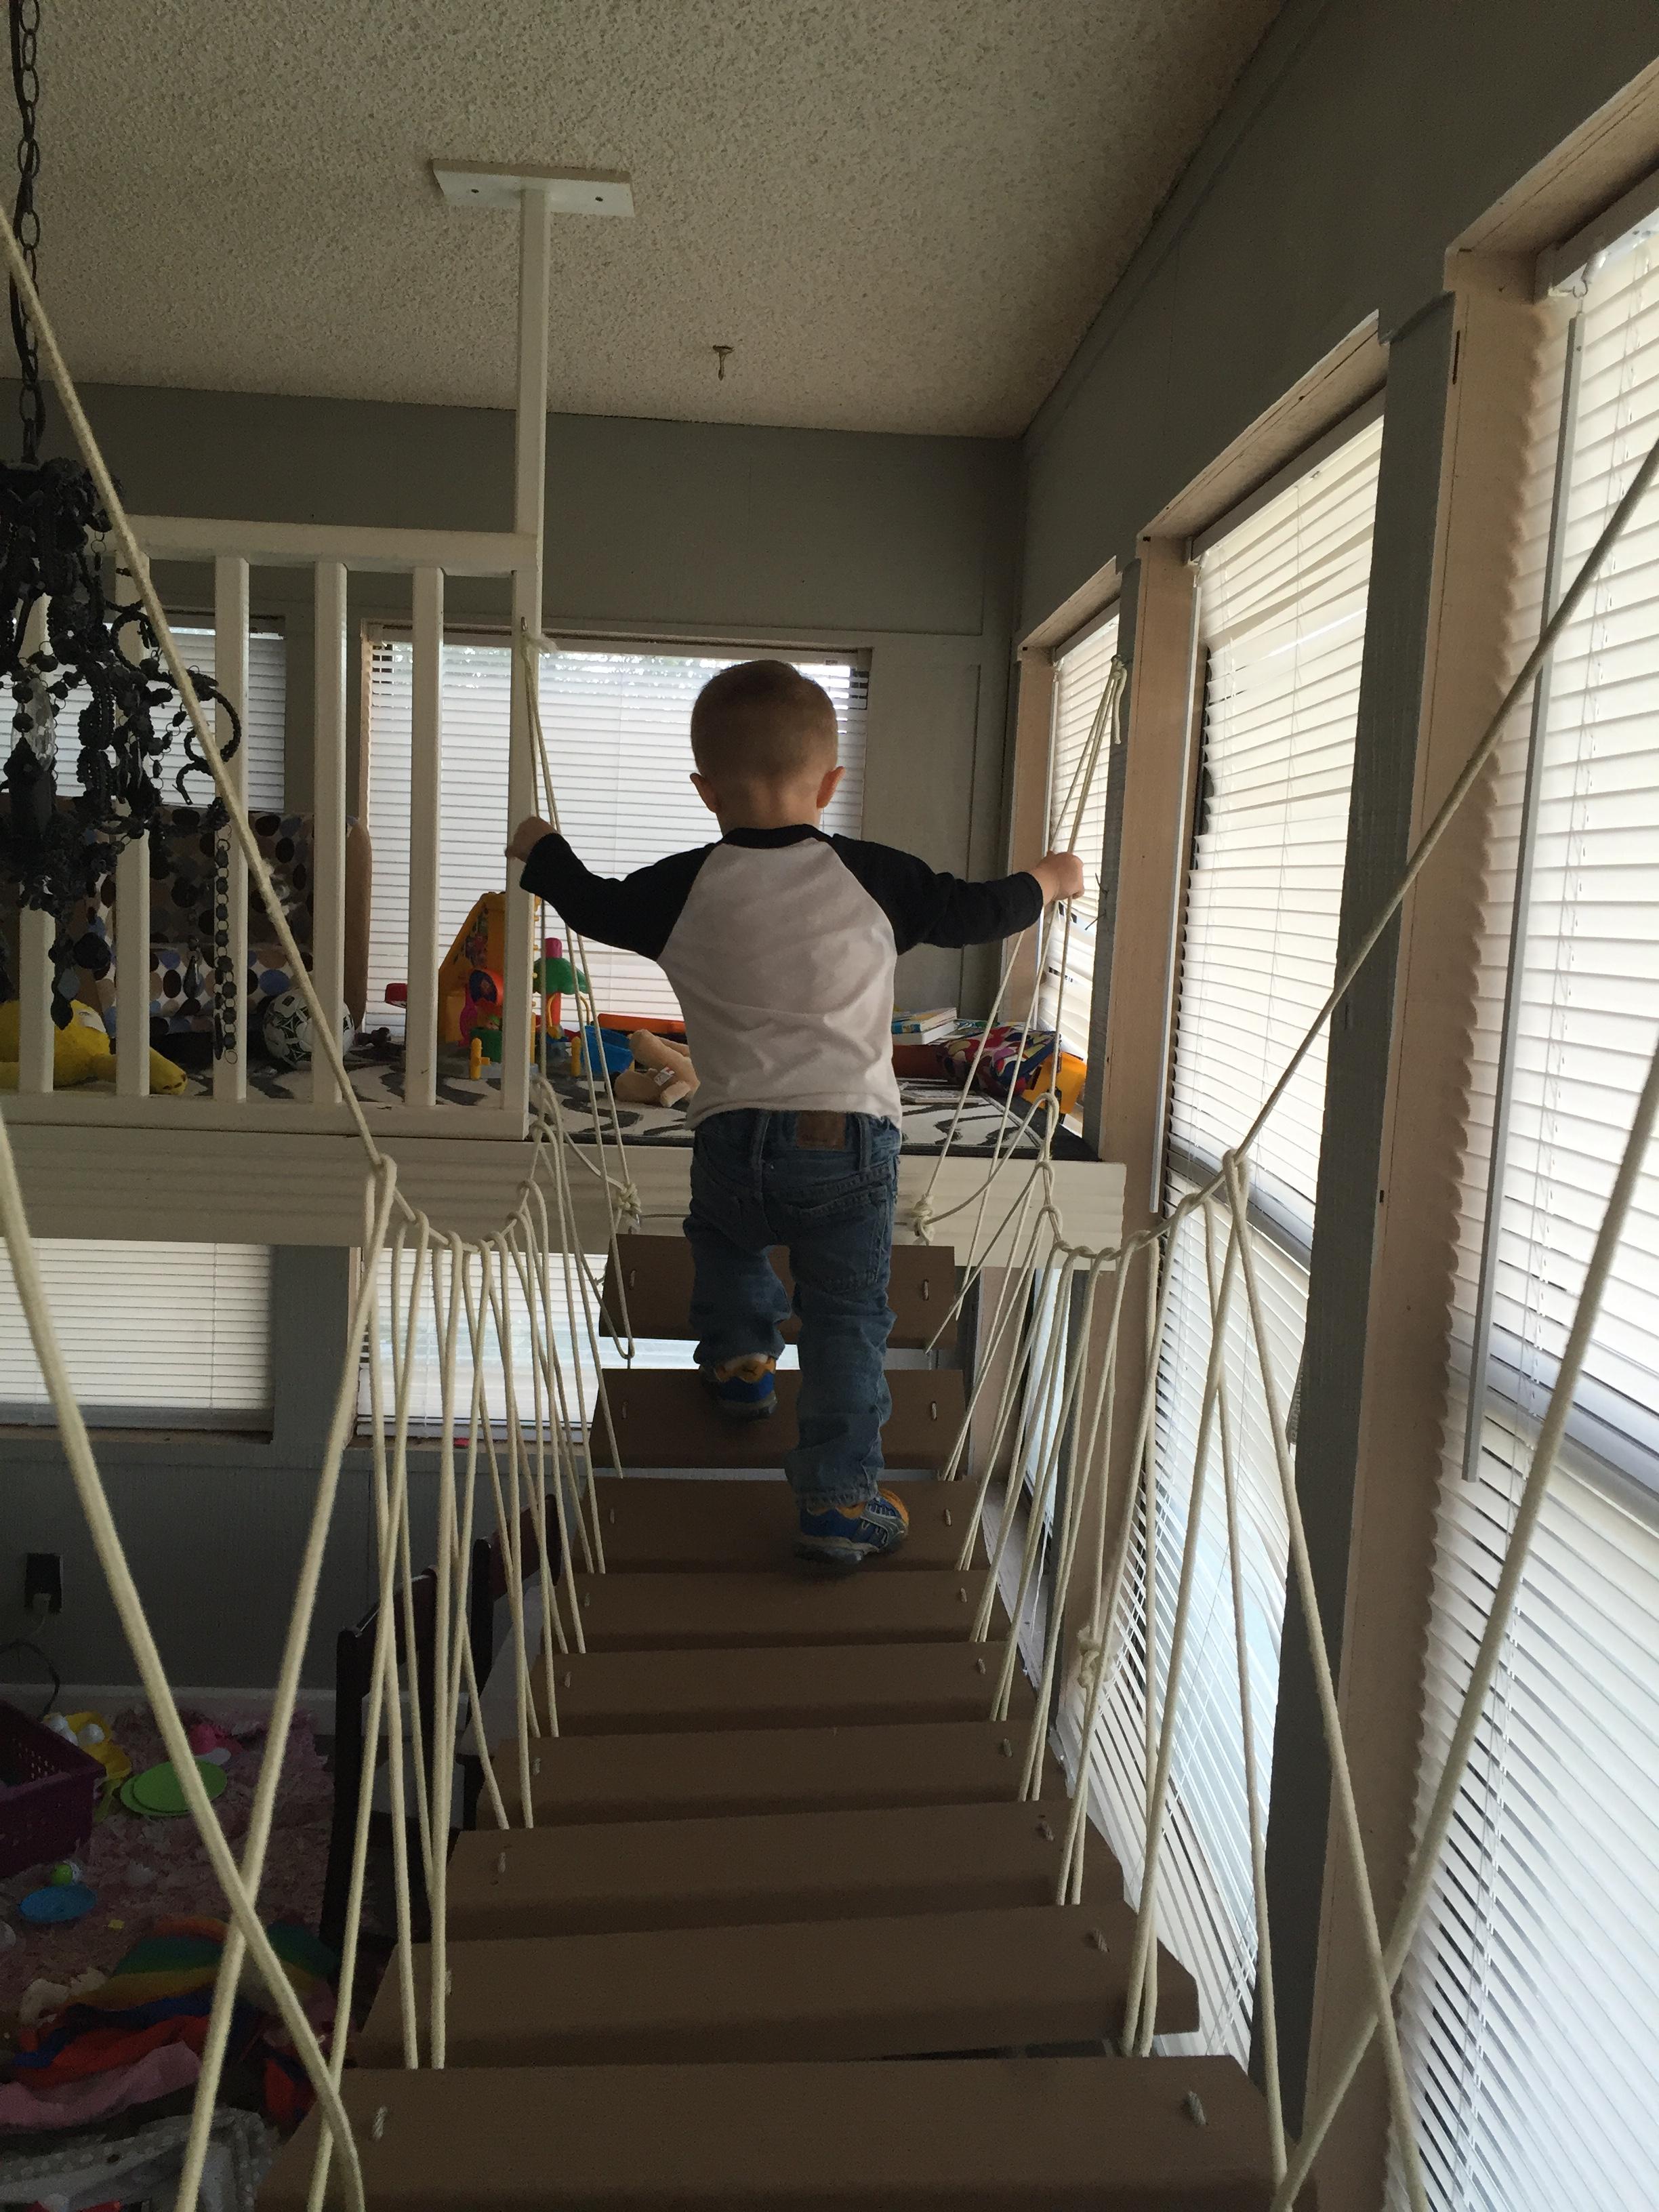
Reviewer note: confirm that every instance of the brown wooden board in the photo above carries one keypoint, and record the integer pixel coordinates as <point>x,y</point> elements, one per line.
<point>822,1990</point>
<point>664,1417</point>
<point>984,2134</point>
<point>655,1283</point>
<point>846,1686</point>
<point>707,1611</point>
<point>653,1524</point>
<point>770,1866</point>
<point>579,1778</point>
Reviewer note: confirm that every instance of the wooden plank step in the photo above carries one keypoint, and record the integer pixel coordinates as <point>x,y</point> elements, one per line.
<point>656,1275</point>
<point>822,1990</point>
<point>657,1525</point>
<point>611,1779</point>
<point>740,1872</point>
<point>664,1417</point>
<point>846,1686</point>
<point>716,1612</point>
<point>982,2135</point>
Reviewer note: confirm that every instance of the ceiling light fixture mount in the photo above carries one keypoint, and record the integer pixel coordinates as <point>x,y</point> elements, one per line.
<point>569,191</point>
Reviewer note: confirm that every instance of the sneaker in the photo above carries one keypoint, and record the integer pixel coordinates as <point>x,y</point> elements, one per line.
<point>743,1388</point>
<point>845,1536</point>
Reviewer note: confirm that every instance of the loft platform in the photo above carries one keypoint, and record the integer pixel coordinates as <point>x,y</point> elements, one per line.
<point>196,1164</point>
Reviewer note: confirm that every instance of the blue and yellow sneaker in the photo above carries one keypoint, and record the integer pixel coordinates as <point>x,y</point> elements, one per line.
<point>842,1537</point>
<point>743,1388</point>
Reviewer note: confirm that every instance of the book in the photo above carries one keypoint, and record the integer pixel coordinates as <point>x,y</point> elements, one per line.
<point>927,1025</point>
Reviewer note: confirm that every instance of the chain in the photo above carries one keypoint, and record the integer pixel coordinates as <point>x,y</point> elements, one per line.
<point>25,220</point>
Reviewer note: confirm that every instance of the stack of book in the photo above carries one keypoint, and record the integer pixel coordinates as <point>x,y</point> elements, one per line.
<point>930,1026</point>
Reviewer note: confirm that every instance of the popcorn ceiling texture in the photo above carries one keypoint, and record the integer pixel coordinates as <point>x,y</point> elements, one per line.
<point>901,214</point>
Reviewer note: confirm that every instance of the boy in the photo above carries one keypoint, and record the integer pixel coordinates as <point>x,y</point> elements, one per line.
<point>780,942</point>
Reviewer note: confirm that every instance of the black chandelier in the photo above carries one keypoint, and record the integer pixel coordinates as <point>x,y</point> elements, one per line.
<point>62,632</point>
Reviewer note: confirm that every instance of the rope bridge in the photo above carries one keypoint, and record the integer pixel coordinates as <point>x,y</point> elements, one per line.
<point>1044,1399</point>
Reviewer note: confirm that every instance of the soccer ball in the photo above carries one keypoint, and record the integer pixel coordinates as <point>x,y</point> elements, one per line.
<point>287,1030</point>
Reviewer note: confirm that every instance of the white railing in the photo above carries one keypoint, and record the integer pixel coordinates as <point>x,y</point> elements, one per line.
<point>332,554</point>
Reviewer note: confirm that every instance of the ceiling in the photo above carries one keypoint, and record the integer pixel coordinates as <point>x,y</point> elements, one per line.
<point>899,214</point>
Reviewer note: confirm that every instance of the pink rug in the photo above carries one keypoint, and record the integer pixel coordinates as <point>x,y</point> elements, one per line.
<point>140,1868</point>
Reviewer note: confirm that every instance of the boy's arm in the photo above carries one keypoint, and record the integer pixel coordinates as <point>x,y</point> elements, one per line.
<point>927,908</point>
<point>635,912</point>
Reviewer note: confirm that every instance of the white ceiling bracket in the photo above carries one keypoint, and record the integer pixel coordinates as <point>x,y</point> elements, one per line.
<point>569,191</point>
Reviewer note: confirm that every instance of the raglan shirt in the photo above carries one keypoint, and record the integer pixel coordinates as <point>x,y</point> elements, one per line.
<point>780,946</point>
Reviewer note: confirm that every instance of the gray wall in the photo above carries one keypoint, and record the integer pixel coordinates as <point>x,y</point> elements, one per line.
<point>1365,136</point>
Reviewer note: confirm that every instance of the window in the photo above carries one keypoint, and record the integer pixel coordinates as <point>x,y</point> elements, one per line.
<point>155,1335</point>
<point>1080,674</point>
<point>264,734</point>
<point>574,1353</point>
<point>618,729</point>
<point>1282,602</point>
<point>1531,2002</point>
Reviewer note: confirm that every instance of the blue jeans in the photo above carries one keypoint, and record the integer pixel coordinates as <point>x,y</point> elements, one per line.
<point>824,1185</point>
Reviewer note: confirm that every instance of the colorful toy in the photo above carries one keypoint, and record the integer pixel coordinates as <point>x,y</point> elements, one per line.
<point>64,1901</point>
<point>81,1051</point>
<point>555,977</point>
<point>470,974</point>
<point>1002,1067</point>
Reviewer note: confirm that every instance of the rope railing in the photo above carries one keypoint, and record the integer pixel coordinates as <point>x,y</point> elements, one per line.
<point>1045,1400</point>
<point>1025,1367</point>
<point>480,1274</point>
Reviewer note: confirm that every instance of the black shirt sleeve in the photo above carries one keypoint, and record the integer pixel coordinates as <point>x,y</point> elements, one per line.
<point>926,907</point>
<point>636,912</point>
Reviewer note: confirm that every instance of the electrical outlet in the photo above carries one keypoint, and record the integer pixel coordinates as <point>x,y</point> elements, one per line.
<point>43,1582</point>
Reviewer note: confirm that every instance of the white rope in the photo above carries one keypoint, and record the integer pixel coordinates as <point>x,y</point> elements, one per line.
<point>1267,1999</point>
<point>390,1485</point>
<point>1307,1591</point>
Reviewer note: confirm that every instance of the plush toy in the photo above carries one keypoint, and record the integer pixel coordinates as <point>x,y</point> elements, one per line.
<point>662,1074</point>
<point>81,1052</point>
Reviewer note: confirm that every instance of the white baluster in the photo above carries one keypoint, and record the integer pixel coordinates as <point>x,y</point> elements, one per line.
<point>425,783</point>
<point>328,788</point>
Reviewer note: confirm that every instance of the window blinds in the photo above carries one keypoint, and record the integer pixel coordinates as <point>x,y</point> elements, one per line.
<point>1282,622</point>
<point>1080,676</point>
<point>264,736</point>
<point>1530,2005</point>
<point>1282,619</point>
<point>618,730</point>
<point>155,1335</point>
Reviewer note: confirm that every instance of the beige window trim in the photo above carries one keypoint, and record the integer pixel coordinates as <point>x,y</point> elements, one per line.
<point>1635,210</point>
<point>1095,603</point>
<point>1309,456</point>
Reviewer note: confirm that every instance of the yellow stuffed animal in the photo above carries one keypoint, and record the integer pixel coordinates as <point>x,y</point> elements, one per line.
<point>81,1052</point>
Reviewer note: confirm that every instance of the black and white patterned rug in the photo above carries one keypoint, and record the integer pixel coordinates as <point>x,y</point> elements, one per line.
<point>928,1108</point>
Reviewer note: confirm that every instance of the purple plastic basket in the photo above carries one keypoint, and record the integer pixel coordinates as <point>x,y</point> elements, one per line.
<point>48,1793</point>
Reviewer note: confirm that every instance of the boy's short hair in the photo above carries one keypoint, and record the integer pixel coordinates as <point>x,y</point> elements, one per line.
<point>762,721</point>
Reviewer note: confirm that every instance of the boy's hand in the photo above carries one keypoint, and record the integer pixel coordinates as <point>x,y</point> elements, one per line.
<point>1061,875</point>
<point>528,835</point>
